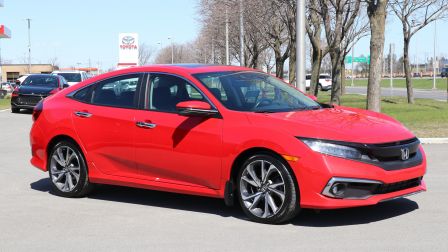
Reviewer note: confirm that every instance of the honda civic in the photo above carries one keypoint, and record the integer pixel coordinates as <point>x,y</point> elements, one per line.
<point>226,132</point>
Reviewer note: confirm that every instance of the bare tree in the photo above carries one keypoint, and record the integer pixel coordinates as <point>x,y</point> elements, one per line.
<point>376,10</point>
<point>54,63</point>
<point>144,54</point>
<point>314,30</point>
<point>414,15</point>
<point>338,17</point>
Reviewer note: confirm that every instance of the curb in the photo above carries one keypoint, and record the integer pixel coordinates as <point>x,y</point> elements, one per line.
<point>442,140</point>
<point>3,110</point>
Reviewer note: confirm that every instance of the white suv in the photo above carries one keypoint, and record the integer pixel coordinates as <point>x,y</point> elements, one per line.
<point>72,77</point>
<point>324,82</point>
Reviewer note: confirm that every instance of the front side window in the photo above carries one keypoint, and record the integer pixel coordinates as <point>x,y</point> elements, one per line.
<point>255,92</point>
<point>165,91</point>
<point>116,92</point>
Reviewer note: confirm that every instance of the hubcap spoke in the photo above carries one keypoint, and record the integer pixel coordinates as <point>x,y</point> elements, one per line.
<point>280,194</point>
<point>271,202</point>
<point>249,181</point>
<point>60,162</point>
<point>251,171</point>
<point>252,196</point>
<point>255,202</point>
<point>273,186</point>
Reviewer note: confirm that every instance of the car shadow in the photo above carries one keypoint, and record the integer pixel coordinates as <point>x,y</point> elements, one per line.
<point>307,217</point>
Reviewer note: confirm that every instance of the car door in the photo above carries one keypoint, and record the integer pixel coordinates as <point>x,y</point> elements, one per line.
<point>177,149</point>
<point>104,122</point>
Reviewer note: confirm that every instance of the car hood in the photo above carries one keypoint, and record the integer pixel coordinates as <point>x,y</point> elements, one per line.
<point>339,123</point>
<point>37,90</point>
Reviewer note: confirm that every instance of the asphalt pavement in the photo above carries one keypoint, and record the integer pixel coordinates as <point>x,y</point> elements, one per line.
<point>418,93</point>
<point>118,218</point>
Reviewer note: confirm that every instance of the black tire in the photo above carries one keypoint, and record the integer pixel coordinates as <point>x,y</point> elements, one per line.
<point>15,110</point>
<point>288,209</point>
<point>83,186</point>
<point>320,87</point>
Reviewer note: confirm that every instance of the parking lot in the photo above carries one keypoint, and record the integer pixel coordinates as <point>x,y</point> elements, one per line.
<point>116,218</point>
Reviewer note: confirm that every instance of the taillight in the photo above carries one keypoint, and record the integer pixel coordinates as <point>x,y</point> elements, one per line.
<point>38,110</point>
<point>15,93</point>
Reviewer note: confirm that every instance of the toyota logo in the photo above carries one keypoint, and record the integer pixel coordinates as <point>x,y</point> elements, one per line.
<point>128,40</point>
<point>404,154</point>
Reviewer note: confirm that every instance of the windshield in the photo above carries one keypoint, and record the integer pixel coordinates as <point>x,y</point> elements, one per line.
<point>71,77</point>
<point>255,92</point>
<point>42,81</point>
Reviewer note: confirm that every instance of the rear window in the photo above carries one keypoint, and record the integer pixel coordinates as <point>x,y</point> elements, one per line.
<point>39,80</point>
<point>71,77</point>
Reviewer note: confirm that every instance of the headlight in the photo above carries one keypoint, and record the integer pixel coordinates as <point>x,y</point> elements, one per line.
<point>334,149</point>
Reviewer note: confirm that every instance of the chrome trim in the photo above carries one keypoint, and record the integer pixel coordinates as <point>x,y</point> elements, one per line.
<point>332,181</point>
<point>146,125</point>
<point>402,196</point>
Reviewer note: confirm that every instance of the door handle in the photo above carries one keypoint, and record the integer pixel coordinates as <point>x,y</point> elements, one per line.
<point>146,125</point>
<point>83,114</point>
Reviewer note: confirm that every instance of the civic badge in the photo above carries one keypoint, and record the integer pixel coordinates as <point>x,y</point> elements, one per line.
<point>404,154</point>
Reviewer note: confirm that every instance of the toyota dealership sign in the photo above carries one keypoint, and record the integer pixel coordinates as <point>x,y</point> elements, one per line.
<point>127,50</point>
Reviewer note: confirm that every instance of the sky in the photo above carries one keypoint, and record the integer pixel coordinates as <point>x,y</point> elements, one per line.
<point>76,31</point>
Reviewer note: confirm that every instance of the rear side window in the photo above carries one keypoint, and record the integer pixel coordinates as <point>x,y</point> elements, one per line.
<point>117,92</point>
<point>83,94</point>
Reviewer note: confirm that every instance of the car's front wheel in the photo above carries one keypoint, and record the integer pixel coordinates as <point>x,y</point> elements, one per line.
<point>266,190</point>
<point>15,110</point>
<point>68,170</point>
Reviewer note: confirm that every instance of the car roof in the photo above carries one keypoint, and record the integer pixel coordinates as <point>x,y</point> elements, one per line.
<point>185,68</point>
<point>43,75</point>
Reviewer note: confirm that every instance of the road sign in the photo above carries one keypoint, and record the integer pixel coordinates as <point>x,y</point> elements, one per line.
<point>349,59</point>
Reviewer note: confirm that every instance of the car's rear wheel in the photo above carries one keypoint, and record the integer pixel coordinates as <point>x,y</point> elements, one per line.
<point>266,190</point>
<point>68,170</point>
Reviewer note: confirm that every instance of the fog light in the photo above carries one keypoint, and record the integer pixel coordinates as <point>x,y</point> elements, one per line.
<point>338,189</point>
<point>350,188</point>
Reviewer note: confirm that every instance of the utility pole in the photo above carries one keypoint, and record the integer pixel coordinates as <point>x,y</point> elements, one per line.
<point>353,59</point>
<point>434,59</point>
<point>241,34</point>
<point>29,44</point>
<point>227,37</point>
<point>300,46</point>
<point>391,49</point>
<point>172,50</point>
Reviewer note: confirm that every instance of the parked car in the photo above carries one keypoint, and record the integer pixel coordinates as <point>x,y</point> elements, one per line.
<point>444,73</point>
<point>226,132</point>
<point>7,86</point>
<point>72,77</point>
<point>324,82</point>
<point>21,78</point>
<point>34,89</point>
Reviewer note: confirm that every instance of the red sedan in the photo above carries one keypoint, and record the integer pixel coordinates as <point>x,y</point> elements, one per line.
<point>225,132</point>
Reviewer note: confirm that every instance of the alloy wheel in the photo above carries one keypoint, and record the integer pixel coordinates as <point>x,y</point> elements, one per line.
<point>262,188</point>
<point>65,168</point>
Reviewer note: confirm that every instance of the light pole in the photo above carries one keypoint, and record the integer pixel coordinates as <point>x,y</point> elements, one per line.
<point>241,34</point>
<point>172,50</point>
<point>29,44</point>
<point>300,46</point>
<point>227,37</point>
<point>434,58</point>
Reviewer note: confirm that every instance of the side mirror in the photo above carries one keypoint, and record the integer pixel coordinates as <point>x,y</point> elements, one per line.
<point>314,98</point>
<point>65,86</point>
<point>195,108</point>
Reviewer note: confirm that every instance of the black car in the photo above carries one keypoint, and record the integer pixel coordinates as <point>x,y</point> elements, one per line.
<point>34,89</point>
<point>444,73</point>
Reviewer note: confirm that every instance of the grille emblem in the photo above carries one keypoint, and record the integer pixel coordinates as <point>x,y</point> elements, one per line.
<point>404,154</point>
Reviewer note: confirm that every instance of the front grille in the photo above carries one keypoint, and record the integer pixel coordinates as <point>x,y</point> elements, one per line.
<point>29,99</point>
<point>398,186</point>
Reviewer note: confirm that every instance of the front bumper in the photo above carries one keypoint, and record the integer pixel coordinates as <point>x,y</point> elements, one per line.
<point>25,102</point>
<point>316,170</point>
